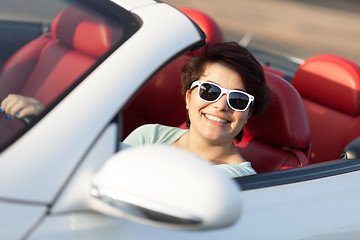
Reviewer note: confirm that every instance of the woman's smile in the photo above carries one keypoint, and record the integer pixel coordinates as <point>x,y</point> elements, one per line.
<point>215,119</point>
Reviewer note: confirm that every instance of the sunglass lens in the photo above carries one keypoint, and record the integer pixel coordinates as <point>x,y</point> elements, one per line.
<point>209,92</point>
<point>238,100</point>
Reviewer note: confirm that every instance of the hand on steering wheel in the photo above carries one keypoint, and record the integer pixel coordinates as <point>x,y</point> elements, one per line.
<point>15,106</point>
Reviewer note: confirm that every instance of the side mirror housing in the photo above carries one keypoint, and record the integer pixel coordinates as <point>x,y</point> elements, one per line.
<point>352,150</point>
<point>165,187</point>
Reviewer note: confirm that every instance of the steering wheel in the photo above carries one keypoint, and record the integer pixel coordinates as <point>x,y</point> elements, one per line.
<point>25,120</point>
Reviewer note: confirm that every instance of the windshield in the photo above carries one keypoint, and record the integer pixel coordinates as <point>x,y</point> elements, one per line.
<point>46,49</point>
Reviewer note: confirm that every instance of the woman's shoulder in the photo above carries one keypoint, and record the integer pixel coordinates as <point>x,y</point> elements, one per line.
<point>156,129</point>
<point>139,135</point>
<point>236,170</point>
<point>153,133</point>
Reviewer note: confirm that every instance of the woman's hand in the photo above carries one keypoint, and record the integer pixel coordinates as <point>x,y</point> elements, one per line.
<point>15,105</point>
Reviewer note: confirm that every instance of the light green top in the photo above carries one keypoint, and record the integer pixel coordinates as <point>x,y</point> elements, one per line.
<point>160,134</point>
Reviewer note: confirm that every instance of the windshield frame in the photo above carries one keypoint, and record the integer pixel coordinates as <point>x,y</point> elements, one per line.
<point>131,24</point>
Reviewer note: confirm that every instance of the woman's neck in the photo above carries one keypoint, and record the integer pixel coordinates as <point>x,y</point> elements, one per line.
<point>215,152</point>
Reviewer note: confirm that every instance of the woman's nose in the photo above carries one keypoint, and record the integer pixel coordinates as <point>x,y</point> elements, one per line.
<point>222,103</point>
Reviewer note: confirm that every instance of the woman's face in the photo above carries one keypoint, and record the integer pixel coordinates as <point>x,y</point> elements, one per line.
<point>216,121</point>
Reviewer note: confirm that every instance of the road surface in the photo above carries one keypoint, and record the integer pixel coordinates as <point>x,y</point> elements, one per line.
<point>310,26</point>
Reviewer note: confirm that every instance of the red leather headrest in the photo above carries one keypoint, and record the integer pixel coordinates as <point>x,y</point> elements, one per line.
<point>284,122</point>
<point>85,30</point>
<point>273,70</point>
<point>206,24</point>
<point>330,80</point>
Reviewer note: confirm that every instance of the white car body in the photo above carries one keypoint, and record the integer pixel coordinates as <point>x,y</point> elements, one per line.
<point>46,181</point>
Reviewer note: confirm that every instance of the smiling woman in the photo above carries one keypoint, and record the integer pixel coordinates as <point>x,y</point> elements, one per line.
<point>223,87</point>
<point>67,176</point>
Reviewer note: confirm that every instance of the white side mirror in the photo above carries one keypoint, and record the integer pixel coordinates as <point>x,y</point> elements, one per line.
<point>167,187</point>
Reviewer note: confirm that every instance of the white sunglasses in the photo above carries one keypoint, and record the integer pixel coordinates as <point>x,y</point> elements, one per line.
<point>211,92</point>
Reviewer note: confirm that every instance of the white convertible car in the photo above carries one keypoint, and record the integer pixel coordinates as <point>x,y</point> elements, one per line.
<point>103,67</point>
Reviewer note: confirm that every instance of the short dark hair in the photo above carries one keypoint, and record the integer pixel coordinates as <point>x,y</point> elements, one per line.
<point>237,58</point>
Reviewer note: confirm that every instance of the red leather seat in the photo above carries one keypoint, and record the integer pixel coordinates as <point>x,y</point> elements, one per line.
<point>330,88</point>
<point>161,101</point>
<point>279,137</point>
<point>273,70</point>
<point>48,65</point>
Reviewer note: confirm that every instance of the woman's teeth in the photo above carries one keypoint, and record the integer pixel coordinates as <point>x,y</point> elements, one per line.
<point>213,118</point>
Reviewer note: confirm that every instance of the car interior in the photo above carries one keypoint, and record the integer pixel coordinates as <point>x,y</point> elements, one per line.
<point>282,132</point>
<point>311,118</point>
<point>46,66</point>
<point>291,132</point>
<point>330,89</point>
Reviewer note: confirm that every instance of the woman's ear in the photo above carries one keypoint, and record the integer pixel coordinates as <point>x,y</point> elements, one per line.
<point>250,112</point>
<point>187,98</point>
<point>248,117</point>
